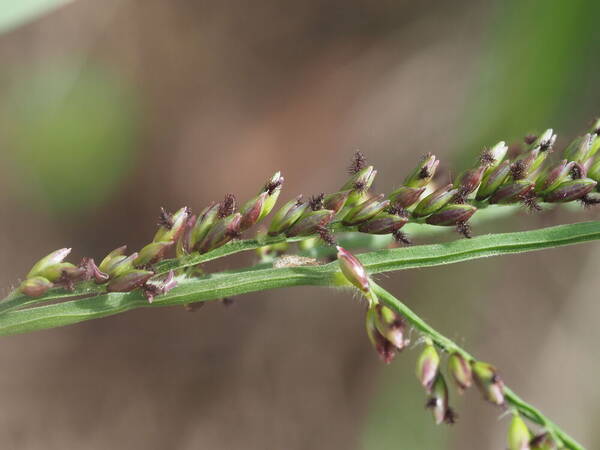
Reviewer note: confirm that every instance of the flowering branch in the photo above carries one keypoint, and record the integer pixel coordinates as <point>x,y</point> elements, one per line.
<point>501,180</point>
<point>512,400</point>
<point>16,315</point>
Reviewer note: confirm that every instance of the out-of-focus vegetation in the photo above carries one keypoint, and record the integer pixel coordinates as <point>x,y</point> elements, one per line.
<point>538,67</point>
<point>14,13</point>
<point>71,132</point>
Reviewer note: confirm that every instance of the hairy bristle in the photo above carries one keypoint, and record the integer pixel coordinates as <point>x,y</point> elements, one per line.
<point>461,196</point>
<point>397,210</point>
<point>359,162</point>
<point>150,291</point>
<point>517,170</point>
<point>326,235</point>
<point>316,201</point>
<point>165,219</point>
<point>271,186</point>
<point>589,201</point>
<point>576,171</point>
<point>403,212</point>
<point>487,158</point>
<point>401,237</point>
<point>392,209</point>
<point>424,173</point>
<point>529,200</point>
<point>360,186</point>
<point>227,206</point>
<point>465,229</point>
<point>431,403</point>
<point>450,416</point>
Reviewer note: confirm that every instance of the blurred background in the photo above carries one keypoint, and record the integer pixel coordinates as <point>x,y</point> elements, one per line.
<point>110,109</point>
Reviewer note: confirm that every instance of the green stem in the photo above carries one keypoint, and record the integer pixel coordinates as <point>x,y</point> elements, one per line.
<point>450,346</point>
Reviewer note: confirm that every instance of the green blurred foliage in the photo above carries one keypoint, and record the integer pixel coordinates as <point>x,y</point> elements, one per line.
<point>14,13</point>
<point>70,137</point>
<point>537,70</point>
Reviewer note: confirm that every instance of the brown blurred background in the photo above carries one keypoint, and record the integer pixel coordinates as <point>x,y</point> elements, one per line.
<point>111,109</point>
